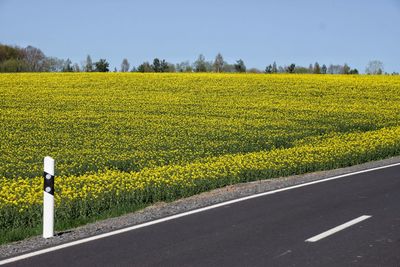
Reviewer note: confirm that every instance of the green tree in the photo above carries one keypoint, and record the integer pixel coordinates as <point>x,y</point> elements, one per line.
<point>240,66</point>
<point>9,52</point>
<point>156,65</point>
<point>274,68</point>
<point>301,70</point>
<point>254,70</point>
<point>164,66</point>
<point>145,67</point>
<point>317,68</point>
<point>12,59</point>
<point>102,66</point>
<point>353,71</point>
<point>268,69</point>
<point>13,65</point>
<point>324,69</point>
<point>291,68</point>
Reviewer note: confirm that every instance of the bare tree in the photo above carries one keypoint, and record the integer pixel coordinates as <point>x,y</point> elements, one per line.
<point>125,65</point>
<point>374,67</point>
<point>228,67</point>
<point>218,63</point>
<point>53,64</point>
<point>310,69</point>
<point>184,66</point>
<point>88,64</point>
<point>200,65</point>
<point>67,66</point>
<point>34,58</point>
<point>335,69</point>
<point>346,69</point>
<point>76,68</point>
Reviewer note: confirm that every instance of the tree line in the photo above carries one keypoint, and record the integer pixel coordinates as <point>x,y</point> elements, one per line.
<point>32,59</point>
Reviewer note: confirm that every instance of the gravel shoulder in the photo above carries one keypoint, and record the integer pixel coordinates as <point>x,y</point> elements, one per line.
<point>160,210</point>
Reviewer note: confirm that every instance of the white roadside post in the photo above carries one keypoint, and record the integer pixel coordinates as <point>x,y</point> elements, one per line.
<point>48,198</point>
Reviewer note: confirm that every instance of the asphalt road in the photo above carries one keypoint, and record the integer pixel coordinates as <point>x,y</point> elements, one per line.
<point>266,231</point>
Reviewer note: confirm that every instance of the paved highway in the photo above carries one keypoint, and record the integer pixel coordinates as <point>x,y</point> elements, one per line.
<point>351,221</point>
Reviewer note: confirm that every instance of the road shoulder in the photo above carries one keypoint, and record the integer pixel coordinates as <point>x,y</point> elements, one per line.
<point>161,210</point>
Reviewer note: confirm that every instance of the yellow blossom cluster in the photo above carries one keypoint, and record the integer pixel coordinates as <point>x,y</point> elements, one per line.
<point>133,139</point>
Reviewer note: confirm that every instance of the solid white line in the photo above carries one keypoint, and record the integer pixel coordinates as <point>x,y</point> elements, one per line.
<point>338,228</point>
<point>169,218</point>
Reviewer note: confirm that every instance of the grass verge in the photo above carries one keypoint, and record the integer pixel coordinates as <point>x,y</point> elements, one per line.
<point>113,193</point>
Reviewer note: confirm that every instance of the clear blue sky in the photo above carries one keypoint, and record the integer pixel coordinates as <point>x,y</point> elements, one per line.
<point>259,32</point>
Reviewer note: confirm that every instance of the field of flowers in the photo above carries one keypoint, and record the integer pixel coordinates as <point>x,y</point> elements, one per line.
<point>122,141</point>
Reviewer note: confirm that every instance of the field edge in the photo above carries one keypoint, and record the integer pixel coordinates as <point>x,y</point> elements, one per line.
<point>164,209</point>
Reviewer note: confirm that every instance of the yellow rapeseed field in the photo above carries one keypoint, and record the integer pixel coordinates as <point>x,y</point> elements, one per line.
<point>129,139</point>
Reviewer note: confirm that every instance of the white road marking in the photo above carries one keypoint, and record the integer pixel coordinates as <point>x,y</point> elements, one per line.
<point>169,218</point>
<point>338,228</point>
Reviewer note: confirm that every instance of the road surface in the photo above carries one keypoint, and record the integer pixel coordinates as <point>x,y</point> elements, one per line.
<point>351,221</point>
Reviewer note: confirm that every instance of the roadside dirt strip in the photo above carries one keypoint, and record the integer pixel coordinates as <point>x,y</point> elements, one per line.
<point>162,210</point>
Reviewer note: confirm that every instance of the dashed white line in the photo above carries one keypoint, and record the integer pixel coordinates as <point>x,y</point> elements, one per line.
<point>116,232</point>
<point>338,228</point>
